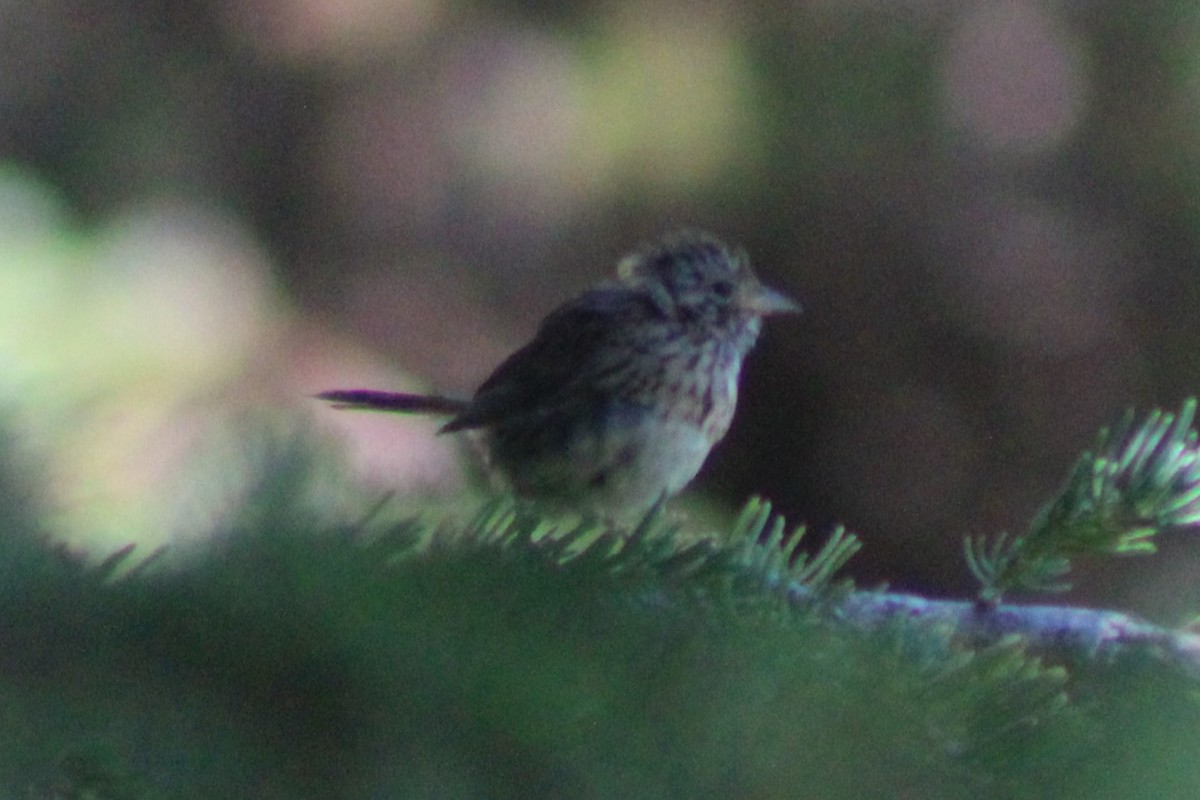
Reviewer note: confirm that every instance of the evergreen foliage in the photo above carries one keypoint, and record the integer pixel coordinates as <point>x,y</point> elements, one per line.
<point>514,656</point>
<point>1137,480</point>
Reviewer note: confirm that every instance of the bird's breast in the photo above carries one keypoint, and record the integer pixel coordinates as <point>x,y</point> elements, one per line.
<point>705,387</point>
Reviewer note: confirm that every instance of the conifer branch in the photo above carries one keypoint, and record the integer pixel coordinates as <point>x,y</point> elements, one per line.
<point>1136,481</point>
<point>775,555</point>
<point>761,557</point>
<point>1062,633</point>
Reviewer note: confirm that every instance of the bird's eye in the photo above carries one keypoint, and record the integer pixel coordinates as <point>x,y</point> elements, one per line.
<point>723,289</point>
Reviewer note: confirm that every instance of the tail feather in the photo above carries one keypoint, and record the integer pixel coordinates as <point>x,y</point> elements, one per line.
<point>372,400</point>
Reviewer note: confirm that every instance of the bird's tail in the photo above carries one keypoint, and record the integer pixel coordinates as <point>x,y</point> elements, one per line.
<point>394,401</point>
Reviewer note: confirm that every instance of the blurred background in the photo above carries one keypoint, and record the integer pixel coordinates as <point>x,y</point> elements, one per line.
<point>210,209</point>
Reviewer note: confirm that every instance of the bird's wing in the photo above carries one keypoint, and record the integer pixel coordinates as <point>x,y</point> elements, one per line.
<point>545,373</point>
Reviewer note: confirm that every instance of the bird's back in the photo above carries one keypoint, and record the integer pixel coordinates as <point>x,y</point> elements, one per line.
<point>611,406</point>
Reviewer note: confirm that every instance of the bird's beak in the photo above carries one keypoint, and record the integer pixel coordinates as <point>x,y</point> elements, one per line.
<point>762,300</point>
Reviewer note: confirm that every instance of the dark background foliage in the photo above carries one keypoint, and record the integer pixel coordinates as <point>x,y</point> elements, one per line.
<point>988,210</point>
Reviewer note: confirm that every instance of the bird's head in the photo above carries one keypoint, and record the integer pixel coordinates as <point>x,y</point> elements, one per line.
<point>694,277</point>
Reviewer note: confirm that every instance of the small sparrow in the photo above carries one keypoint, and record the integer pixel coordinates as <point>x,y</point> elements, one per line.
<point>618,399</point>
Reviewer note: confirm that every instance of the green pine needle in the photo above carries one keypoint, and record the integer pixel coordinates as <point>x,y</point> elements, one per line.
<point>1136,481</point>
<point>774,554</point>
<point>759,554</point>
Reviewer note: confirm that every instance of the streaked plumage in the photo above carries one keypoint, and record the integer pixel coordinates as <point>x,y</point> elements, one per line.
<point>623,391</point>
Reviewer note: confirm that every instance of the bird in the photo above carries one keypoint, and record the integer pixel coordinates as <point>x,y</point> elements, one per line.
<point>615,403</point>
